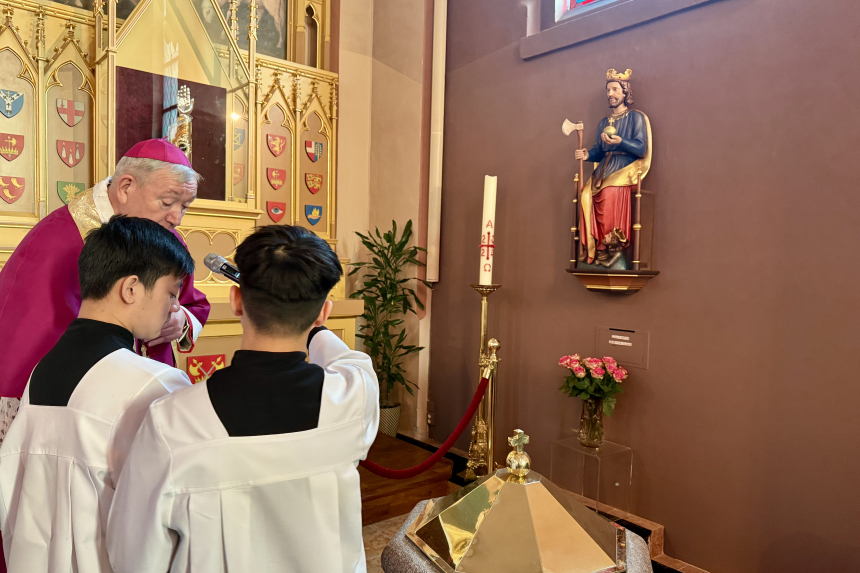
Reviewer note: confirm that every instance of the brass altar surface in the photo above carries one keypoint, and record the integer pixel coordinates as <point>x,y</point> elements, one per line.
<point>525,524</point>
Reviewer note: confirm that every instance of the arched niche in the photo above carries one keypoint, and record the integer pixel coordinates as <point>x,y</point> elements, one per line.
<point>315,211</point>
<point>19,185</point>
<point>69,128</point>
<point>277,164</point>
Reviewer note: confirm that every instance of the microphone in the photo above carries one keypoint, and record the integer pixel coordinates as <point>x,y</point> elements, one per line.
<point>220,265</point>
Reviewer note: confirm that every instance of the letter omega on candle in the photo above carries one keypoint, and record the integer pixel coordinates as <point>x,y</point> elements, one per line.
<point>488,230</point>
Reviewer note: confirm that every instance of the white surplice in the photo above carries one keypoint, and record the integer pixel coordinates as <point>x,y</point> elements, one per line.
<point>194,499</point>
<point>59,465</point>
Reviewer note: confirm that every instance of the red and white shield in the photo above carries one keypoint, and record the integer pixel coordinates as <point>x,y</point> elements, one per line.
<point>314,182</point>
<point>71,111</point>
<point>200,368</point>
<point>11,146</point>
<point>276,177</point>
<point>238,172</point>
<point>71,152</point>
<point>11,188</point>
<point>277,144</point>
<point>276,210</point>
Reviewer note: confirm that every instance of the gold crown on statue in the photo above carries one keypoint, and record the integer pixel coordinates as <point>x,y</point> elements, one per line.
<point>611,75</point>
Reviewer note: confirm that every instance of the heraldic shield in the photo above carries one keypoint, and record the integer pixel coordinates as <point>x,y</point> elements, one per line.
<point>200,368</point>
<point>12,102</point>
<point>276,177</point>
<point>71,152</point>
<point>70,111</point>
<point>313,213</point>
<point>276,143</point>
<point>238,138</point>
<point>11,188</point>
<point>11,146</point>
<point>314,150</point>
<point>276,210</point>
<point>68,190</point>
<point>238,172</point>
<point>314,182</point>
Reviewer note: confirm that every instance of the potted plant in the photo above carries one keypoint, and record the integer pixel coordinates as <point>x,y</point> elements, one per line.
<point>596,381</point>
<point>388,297</point>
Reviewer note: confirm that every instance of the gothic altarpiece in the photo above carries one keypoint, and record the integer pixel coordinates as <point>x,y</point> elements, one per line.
<point>78,88</point>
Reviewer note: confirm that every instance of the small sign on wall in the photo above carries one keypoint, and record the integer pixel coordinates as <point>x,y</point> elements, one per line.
<point>628,347</point>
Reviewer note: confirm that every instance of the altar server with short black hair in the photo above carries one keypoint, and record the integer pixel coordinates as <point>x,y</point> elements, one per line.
<point>255,468</point>
<point>85,401</point>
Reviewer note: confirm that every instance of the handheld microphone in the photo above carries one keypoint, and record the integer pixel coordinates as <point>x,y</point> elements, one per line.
<point>220,265</point>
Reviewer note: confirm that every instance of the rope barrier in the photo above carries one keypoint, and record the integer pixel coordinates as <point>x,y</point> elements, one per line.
<point>443,449</point>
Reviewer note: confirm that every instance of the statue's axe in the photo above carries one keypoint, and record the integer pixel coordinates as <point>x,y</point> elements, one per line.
<point>567,128</point>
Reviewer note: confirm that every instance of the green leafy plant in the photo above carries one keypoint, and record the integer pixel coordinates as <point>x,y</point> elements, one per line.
<point>387,299</point>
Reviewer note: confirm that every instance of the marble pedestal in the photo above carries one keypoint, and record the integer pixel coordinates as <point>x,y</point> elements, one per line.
<point>401,556</point>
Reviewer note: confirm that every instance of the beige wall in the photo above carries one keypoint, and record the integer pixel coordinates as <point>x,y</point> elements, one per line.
<point>381,70</point>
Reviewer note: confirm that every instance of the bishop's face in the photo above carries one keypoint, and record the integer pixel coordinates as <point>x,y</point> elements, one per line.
<point>161,199</point>
<point>615,94</point>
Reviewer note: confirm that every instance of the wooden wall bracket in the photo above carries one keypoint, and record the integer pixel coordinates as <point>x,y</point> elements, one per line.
<point>611,281</point>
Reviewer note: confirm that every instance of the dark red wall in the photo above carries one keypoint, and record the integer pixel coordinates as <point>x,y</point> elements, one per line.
<point>745,428</point>
<point>139,111</point>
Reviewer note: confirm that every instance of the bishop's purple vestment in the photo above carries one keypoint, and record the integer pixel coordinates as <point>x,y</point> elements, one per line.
<point>40,296</point>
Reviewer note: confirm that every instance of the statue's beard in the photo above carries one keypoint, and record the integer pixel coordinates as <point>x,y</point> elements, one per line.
<point>616,104</point>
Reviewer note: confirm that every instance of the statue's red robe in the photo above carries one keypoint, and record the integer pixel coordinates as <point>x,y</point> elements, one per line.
<point>40,296</point>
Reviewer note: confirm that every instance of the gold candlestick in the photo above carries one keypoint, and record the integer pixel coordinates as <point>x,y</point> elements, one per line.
<point>481,446</point>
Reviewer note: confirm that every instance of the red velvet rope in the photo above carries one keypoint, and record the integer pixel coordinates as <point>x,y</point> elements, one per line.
<point>429,462</point>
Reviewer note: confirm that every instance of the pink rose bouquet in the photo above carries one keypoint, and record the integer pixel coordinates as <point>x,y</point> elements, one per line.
<point>593,378</point>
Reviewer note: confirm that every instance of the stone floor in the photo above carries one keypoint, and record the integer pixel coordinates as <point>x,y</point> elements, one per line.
<point>376,537</point>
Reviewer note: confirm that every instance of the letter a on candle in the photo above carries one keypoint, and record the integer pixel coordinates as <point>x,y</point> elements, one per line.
<point>488,230</point>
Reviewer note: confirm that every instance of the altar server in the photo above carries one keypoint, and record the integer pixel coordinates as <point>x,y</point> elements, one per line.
<point>255,469</point>
<point>39,292</point>
<point>85,401</point>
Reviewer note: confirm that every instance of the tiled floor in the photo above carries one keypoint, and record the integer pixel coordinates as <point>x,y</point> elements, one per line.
<point>376,537</point>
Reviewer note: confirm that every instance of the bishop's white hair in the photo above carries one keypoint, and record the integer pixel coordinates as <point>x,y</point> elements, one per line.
<point>142,167</point>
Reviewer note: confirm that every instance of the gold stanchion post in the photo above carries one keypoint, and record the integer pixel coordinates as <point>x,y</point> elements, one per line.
<point>481,445</point>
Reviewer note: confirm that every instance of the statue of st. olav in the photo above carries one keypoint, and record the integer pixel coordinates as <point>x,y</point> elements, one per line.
<point>622,149</point>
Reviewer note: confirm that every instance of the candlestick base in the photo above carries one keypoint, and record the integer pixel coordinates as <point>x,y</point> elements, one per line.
<point>481,445</point>
<point>486,290</point>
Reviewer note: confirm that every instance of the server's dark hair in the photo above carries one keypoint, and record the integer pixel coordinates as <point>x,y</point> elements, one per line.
<point>128,246</point>
<point>285,274</point>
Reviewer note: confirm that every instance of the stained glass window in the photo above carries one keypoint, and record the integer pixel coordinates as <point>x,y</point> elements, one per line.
<point>571,8</point>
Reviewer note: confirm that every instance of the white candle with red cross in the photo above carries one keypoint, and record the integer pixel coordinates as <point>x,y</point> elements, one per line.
<point>488,230</point>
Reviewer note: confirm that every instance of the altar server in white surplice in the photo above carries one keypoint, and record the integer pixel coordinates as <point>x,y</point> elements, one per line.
<point>85,401</point>
<point>255,469</point>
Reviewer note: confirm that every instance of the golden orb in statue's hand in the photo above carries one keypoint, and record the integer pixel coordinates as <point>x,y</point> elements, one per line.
<point>610,130</point>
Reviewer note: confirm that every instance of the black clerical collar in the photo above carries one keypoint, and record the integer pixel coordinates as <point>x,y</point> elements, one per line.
<point>81,347</point>
<point>94,330</point>
<point>267,361</point>
<point>265,393</point>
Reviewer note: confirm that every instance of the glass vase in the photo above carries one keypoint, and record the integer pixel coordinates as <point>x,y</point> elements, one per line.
<point>591,423</point>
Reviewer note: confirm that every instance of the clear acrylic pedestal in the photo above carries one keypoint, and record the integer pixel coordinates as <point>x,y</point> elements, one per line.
<point>603,475</point>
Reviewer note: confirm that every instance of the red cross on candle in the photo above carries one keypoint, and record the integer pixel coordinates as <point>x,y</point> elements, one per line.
<point>487,243</point>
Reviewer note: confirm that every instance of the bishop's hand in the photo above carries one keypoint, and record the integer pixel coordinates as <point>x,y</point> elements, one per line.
<point>173,327</point>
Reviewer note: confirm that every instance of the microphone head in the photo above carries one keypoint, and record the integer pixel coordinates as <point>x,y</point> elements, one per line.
<point>214,262</point>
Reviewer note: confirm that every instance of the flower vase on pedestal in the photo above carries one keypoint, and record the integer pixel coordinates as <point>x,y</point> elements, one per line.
<point>591,423</point>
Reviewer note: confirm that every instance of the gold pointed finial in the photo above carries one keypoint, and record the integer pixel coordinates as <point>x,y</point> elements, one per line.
<point>518,461</point>
<point>8,11</point>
